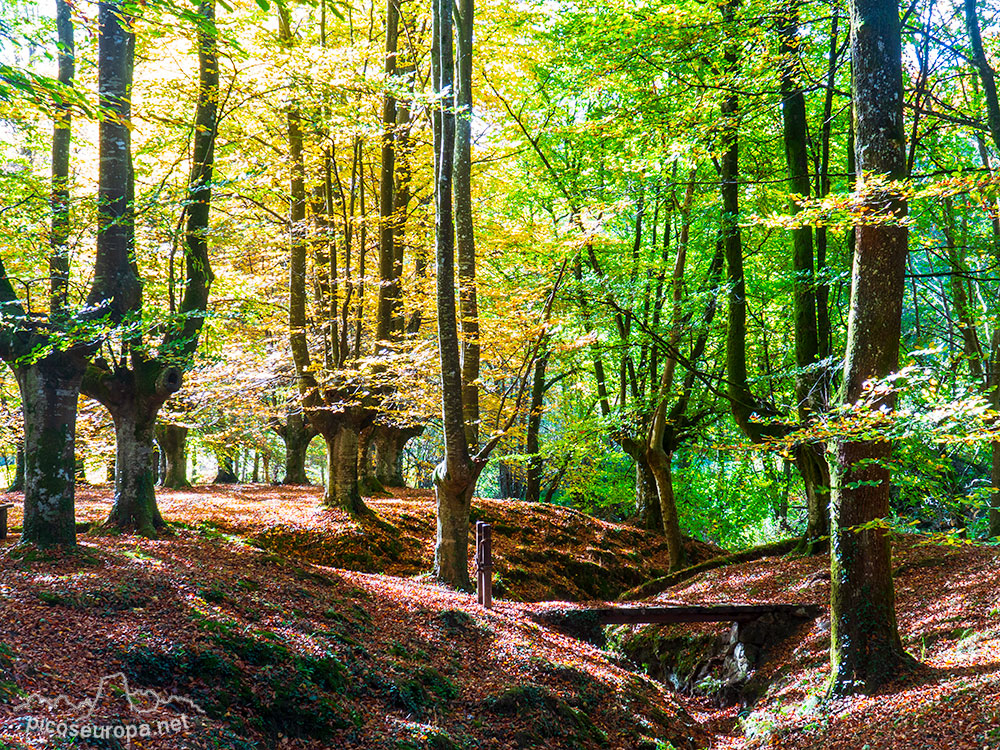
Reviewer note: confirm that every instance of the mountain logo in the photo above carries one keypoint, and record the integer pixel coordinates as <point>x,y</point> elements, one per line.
<point>116,710</point>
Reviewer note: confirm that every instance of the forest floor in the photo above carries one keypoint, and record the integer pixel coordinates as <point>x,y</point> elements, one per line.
<point>292,626</point>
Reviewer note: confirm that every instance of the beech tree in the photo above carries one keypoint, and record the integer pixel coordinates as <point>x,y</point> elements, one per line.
<point>49,355</point>
<point>865,648</point>
<point>136,379</point>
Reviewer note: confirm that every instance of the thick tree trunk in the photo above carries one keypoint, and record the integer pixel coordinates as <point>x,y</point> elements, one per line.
<point>173,446</point>
<point>225,473</point>
<point>389,443</point>
<point>368,483</point>
<point>49,391</point>
<point>134,506</point>
<point>865,648</point>
<point>342,471</point>
<point>297,435</point>
<point>454,505</point>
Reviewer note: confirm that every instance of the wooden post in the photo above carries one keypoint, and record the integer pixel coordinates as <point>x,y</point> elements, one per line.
<point>484,564</point>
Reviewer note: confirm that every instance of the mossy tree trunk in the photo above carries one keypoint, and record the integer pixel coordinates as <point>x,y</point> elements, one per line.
<point>342,487</point>
<point>172,439</point>
<point>49,391</point>
<point>297,433</point>
<point>389,442</point>
<point>865,648</point>
<point>134,396</point>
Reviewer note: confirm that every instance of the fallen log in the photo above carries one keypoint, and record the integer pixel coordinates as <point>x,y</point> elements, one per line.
<point>587,623</point>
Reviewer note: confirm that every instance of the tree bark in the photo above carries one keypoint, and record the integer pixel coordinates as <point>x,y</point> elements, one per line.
<point>647,499</point>
<point>342,471</point>
<point>134,396</point>
<point>455,477</point>
<point>464,230</point>
<point>533,478</point>
<point>987,77</point>
<point>49,391</point>
<point>297,433</point>
<point>62,121</point>
<point>172,439</point>
<point>809,379</point>
<point>117,288</point>
<point>135,507</point>
<point>389,442</point>
<point>388,295</point>
<point>865,648</point>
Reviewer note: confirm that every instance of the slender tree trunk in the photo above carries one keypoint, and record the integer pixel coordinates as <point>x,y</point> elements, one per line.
<point>62,120</point>
<point>533,479</point>
<point>18,484</point>
<point>455,477</point>
<point>464,230</point>
<point>388,295</point>
<point>117,289</point>
<point>987,77</point>
<point>173,445</point>
<point>49,391</point>
<point>865,648</point>
<point>808,379</point>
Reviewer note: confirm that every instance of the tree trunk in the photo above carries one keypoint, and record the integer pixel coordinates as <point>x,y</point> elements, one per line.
<point>342,472</point>
<point>987,77</point>
<point>173,446</point>
<point>454,505</point>
<point>62,120</point>
<point>134,506</point>
<point>455,477</point>
<point>389,442</point>
<point>533,479</point>
<point>509,485</point>
<point>297,435</point>
<point>865,648</point>
<point>808,378</point>
<point>660,467</point>
<point>368,483</point>
<point>224,474</point>
<point>388,295</point>
<point>18,484</point>
<point>49,391</point>
<point>647,499</point>
<point>464,230</point>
